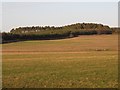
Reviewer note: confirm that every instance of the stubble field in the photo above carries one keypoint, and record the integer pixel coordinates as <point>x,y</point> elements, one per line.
<point>80,62</point>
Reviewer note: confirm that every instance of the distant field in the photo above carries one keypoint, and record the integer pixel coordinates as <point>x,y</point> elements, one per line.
<point>81,62</point>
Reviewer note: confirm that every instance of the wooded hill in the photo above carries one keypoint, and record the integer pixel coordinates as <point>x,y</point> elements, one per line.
<point>47,32</point>
<point>85,27</point>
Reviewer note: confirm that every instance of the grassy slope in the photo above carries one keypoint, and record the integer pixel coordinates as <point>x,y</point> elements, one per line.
<point>85,61</point>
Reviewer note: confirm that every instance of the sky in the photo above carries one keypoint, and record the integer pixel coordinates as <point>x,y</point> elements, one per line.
<point>18,14</point>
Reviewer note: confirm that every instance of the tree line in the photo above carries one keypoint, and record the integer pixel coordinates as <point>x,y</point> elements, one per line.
<point>47,32</point>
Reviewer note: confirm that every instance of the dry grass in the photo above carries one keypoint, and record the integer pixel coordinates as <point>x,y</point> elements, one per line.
<point>84,62</point>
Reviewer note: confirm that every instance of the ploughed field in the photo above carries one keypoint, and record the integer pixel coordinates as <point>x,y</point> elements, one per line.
<point>80,62</point>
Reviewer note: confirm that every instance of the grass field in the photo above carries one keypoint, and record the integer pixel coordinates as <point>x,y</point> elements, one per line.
<point>81,62</point>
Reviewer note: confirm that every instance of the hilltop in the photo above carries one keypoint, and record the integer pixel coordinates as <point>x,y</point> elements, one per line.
<point>52,32</point>
<point>72,28</point>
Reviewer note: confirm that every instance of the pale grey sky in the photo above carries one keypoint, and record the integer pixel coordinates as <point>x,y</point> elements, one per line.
<point>16,14</point>
<point>59,0</point>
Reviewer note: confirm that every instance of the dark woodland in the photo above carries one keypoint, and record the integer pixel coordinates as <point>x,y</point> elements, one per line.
<point>51,32</point>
